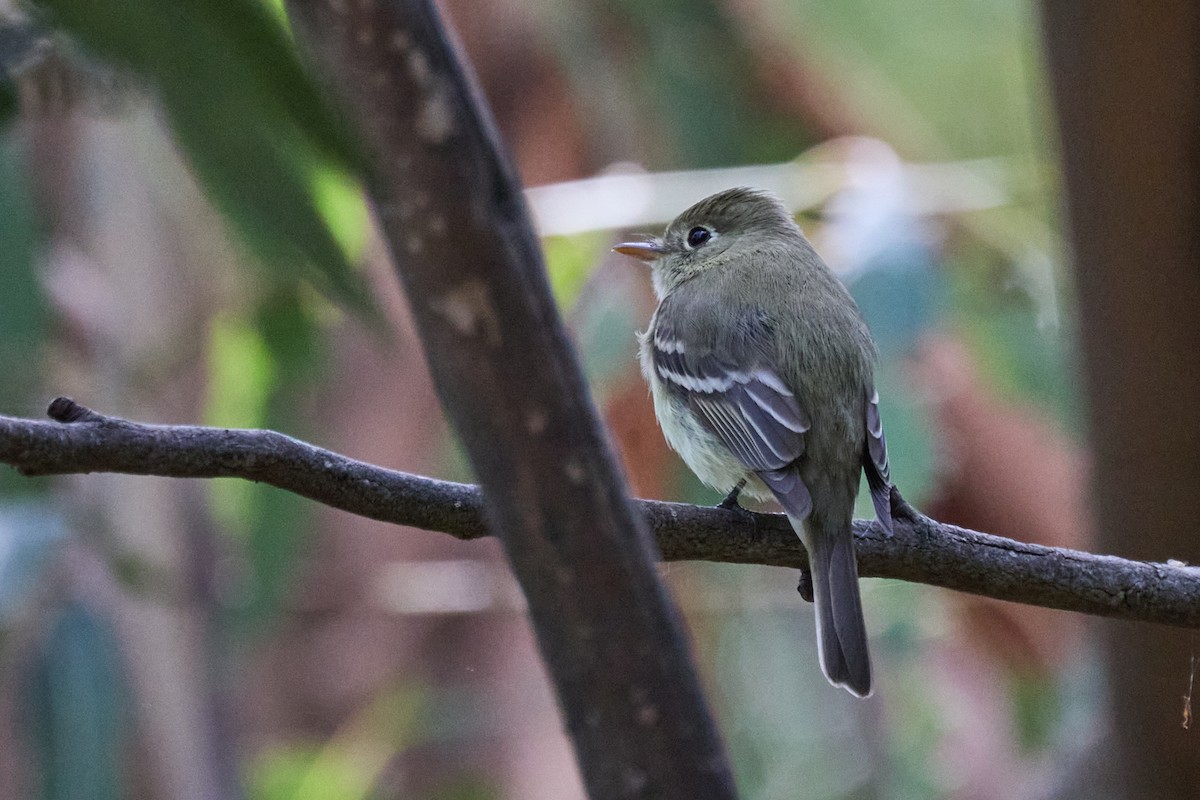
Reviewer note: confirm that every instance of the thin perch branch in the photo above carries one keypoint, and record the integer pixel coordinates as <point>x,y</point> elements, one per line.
<point>922,550</point>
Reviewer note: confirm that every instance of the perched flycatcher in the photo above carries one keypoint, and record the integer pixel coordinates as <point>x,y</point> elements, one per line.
<point>760,366</point>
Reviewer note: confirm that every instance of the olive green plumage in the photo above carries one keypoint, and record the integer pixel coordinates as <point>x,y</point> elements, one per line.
<point>760,366</point>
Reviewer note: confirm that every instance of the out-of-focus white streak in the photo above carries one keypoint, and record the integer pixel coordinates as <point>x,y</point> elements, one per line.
<point>626,198</point>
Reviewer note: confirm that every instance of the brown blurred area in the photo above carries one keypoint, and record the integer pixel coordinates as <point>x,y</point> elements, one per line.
<point>1010,470</point>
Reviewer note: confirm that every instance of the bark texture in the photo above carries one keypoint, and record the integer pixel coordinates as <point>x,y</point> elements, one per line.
<point>455,220</point>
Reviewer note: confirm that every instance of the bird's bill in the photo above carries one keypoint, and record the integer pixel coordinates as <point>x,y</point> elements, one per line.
<point>644,251</point>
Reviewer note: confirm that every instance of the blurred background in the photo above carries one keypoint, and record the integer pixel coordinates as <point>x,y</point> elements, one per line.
<point>159,261</point>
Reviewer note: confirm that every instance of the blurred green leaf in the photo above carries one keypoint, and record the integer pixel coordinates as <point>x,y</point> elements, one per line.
<point>603,322</point>
<point>22,305</point>
<point>713,109</point>
<point>348,765</point>
<point>74,709</point>
<point>340,200</point>
<point>289,330</point>
<point>569,262</point>
<point>23,315</point>
<point>278,772</point>
<point>241,373</point>
<point>901,296</point>
<point>279,527</point>
<point>1038,710</point>
<point>253,125</point>
<point>1022,358</point>
<point>261,368</point>
<point>211,49</point>
<point>268,196</point>
<point>937,77</point>
<point>604,332</point>
<point>281,522</point>
<point>255,36</point>
<point>911,438</point>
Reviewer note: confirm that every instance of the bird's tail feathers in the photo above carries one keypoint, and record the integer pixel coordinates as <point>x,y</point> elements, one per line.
<point>841,631</point>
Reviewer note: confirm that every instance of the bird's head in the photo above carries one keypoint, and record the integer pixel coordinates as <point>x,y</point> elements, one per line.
<point>712,233</point>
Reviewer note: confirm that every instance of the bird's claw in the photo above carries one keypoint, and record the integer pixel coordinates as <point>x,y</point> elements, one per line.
<point>805,586</point>
<point>730,503</point>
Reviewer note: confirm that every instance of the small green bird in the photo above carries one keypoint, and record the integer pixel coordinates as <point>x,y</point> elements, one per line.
<point>760,365</point>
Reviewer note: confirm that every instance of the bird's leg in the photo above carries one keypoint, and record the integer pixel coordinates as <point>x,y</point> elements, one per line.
<point>730,502</point>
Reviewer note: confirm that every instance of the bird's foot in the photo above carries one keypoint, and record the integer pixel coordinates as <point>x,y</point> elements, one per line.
<point>730,503</point>
<point>805,587</point>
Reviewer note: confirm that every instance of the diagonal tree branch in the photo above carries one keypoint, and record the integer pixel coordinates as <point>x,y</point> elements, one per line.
<point>922,550</point>
<point>452,213</point>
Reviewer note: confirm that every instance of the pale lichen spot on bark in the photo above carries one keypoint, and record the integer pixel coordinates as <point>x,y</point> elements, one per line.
<point>437,225</point>
<point>399,41</point>
<point>338,7</point>
<point>435,119</point>
<point>636,780</point>
<point>366,36</point>
<point>469,309</point>
<point>414,245</point>
<point>574,471</point>
<point>536,421</point>
<point>418,68</point>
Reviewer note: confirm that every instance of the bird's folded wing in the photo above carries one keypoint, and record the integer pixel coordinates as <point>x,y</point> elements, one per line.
<point>744,402</point>
<point>875,463</point>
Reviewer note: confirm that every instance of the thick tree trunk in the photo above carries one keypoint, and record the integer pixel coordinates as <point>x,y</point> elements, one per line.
<point>455,220</point>
<point>1126,79</point>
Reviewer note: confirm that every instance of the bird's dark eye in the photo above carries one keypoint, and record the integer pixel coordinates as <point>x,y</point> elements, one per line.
<point>698,236</point>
